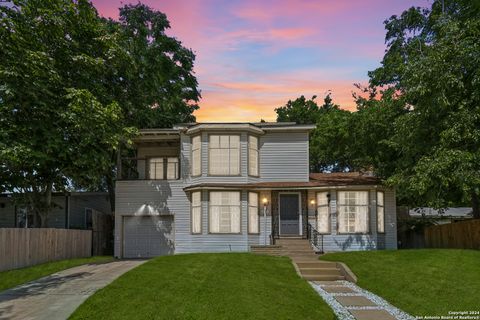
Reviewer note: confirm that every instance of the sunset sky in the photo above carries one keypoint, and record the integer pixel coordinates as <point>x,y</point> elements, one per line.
<point>253,56</point>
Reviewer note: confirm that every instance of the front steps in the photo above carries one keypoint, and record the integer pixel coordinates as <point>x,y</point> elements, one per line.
<point>304,258</point>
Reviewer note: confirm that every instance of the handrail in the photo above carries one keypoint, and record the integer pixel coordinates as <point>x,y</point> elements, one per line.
<point>314,236</point>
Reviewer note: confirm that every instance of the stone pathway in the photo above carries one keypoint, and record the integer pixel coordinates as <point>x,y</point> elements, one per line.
<point>350,302</point>
<point>58,295</point>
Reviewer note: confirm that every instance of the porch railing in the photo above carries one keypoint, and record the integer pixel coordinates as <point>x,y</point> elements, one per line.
<point>315,237</point>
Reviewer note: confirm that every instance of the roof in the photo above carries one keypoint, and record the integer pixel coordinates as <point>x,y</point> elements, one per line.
<point>317,180</point>
<point>345,178</point>
<point>459,212</point>
<point>254,127</point>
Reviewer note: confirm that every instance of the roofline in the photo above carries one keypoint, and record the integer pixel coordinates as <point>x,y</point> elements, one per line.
<point>223,127</point>
<point>223,186</point>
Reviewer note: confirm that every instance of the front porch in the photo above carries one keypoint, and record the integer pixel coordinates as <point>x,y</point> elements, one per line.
<point>289,209</point>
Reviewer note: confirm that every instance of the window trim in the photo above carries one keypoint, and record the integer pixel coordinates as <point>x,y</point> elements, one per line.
<point>368,212</point>
<point>191,155</point>
<point>239,155</point>
<point>210,220</point>
<point>258,155</point>
<point>165,167</point>
<point>201,212</point>
<point>329,217</point>
<point>248,212</point>
<point>383,206</point>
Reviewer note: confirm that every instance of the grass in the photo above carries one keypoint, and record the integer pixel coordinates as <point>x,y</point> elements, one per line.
<point>13,278</point>
<point>421,282</point>
<point>208,286</point>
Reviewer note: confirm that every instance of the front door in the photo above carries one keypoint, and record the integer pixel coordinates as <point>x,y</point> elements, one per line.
<point>289,215</point>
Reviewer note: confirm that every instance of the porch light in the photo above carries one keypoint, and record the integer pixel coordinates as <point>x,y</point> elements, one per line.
<point>312,202</point>
<point>265,201</point>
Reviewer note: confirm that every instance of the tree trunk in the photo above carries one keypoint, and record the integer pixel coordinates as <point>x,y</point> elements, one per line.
<point>111,192</point>
<point>48,205</point>
<point>475,204</point>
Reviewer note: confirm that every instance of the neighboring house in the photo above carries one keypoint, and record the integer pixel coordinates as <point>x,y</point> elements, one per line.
<point>219,187</point>
<point>441,216</point>
<point>74,210</point>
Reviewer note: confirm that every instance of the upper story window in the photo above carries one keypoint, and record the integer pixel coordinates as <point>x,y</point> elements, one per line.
<point>224,155</point>
<point>196,156</point>
<point>161,168</point>
<point>353,211</point>
<point>155,169</point>
<point>253,155</point>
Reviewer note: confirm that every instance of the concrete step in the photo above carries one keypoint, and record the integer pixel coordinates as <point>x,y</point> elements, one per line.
<point>320,271</point>
<point>323,277</point>
<point>315,264</point>
<point>298,251</point>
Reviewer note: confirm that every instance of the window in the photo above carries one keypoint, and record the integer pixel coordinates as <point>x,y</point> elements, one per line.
<point>197,212</point>
<point>155,169</point>
<point>253,155</point>
<point>380,212</point>
<point>196,156</point>
<point>353,212</point>
<point>224,155</point>
<point>88,218</point>
<point>224,212</point>
<point>253,223</point>
<point>159,168</point>
<point>24,218</point>
<point>323,216</point>
<point>172,168</point>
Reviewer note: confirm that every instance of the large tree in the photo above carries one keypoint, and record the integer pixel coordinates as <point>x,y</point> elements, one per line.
<point>155,86</point>
<point>73,89</point>
<point>433,64</point>
<point>54,126</point>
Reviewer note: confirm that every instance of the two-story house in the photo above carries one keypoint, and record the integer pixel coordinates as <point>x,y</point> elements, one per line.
<point>220,187</point>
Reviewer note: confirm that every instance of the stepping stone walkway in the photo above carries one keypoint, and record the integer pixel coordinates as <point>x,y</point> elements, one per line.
<point>350,302</point>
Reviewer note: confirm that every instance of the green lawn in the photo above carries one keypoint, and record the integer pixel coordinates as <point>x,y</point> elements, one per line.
<point>208,286</point>
<point>421,282</point>
<point>12,278</point>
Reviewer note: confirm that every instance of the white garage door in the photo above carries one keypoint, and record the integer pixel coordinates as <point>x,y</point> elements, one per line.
<point>147,236</point>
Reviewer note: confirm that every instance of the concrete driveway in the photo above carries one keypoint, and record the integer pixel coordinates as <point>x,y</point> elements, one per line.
<point>58,295</point>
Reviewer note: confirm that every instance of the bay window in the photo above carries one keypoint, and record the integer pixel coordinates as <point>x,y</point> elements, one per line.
<point>253,155</point>
<point>224,155</point>
<point>253,223</point>
<point>380,212</point>
<point>323,215</point>
<point>196,212</point>
<point>224,212</point>
<point>196,156</point>
<point>353,211</point>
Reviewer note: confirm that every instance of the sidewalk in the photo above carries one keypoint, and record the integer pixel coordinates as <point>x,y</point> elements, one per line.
<point>350,302</point>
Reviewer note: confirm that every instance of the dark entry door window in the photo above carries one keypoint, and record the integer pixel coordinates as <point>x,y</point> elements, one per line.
<point>289,215</point>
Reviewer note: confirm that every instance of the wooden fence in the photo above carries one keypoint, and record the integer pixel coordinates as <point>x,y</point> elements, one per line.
<point>462,235</point>
<point>21,247</point>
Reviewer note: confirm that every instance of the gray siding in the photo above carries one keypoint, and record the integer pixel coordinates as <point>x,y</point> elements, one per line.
<point>277,151</point>
<point>162,197</point>
<point>356,242</point>
<point>284,157</point>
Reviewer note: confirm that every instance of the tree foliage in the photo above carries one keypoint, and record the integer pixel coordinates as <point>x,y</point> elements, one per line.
<point>419,126</point>
<point>74,87</point>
